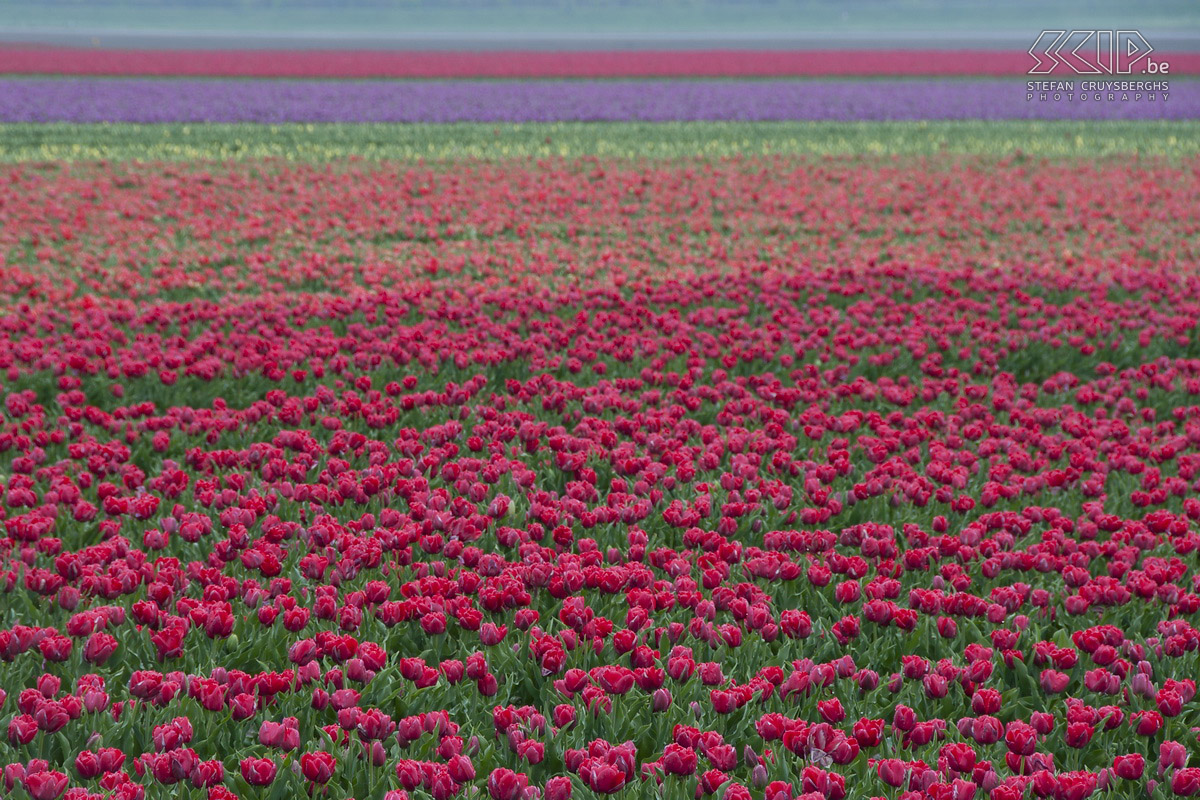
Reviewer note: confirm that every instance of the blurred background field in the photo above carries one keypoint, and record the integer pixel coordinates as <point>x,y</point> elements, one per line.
<point>1016,139</point>
<point>453,79</point>
<point>553,24</point>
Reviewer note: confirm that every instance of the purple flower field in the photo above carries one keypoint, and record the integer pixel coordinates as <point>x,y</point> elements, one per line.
<point>159,100</point>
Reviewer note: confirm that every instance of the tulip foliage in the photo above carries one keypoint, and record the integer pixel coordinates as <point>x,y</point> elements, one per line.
<point>755,478</point>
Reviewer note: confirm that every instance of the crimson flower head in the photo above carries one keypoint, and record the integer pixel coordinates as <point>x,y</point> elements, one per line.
<point>1169,702</point>
<point>602,777</point>
<point>87,764</point>
<point>491,634</point>
<point>1129,767</point>
<point>960,756</point>
<point>1171,755</point>
<point>208,773</point>
<point>1042,722</point>
<point>258,771</point>
<point>891,771</point>
<point>723,702</point>
<point>1186,782</point>
<point>868,732</point>
<point>22,729</point>
<point>1020,738</point>
<point>564,715</point>
<point>100,646</point>
<point>558,788</point>
<point>1079,734</point>
<point>504,784</point>
<point>904,718</point>
<point>45,785</point>
<point>317,767</point>
<point>1147,723</point>
<point>831,710</point>
<point>614,679</point>
<point>242,706</point>
<point>678,760</point>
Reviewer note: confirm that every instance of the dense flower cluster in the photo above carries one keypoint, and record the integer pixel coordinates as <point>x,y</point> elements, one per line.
<point>154,100</point>
<point>202,231</point>
<point>749,479</point>
<point>530,64</point>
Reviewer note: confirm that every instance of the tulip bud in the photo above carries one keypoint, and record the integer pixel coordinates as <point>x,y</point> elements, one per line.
<point>868,680</point>
<point>990,781</point>
<point>1142,686</point>
<point>1171,755</point>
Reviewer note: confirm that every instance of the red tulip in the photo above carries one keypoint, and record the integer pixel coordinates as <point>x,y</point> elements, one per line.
<point>564,715</point>
<point>678,760</point>
<point>207,773</point>
<point>891,771</point>
<point>1020,738</point>
<point>1129,767</point>
<point>491,634</point>
<point>1147,723</point>
<point>1169,702</point>
<point>99,648</point>
<point>87,764</point>
<point>258,771</point>
<point>504,784</point>
<point>22,729</point>
<point>1079,734</point>
<point>317,767</point>
<point>960,756</point>
<point>605,778</point>
<point>1186,782</point>
<point>55,648</point>
<point>558,788</point>
<point>1171,755</point>
<point>1054,682</point>
<point>45,785</point>
<point>460,768</point>
<point>242,706</point>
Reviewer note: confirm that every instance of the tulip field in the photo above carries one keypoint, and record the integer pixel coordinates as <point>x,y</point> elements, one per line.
<point>526,460</point>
